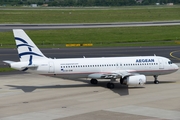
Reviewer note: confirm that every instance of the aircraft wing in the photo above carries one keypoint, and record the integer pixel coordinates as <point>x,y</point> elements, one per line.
<point>113,74</point>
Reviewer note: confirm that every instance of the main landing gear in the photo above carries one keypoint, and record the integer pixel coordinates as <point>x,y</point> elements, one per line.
<point>155,79</point>
<point>109,85</point>
<point>94,81</point>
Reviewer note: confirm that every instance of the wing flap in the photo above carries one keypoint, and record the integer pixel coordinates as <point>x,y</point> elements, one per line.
<point>104,75</point>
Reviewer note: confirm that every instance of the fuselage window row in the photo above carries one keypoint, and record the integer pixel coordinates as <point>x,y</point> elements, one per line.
<point>107,65</point>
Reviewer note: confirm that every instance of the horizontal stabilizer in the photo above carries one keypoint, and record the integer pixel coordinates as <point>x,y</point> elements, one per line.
<point>30,66</point>
<point>8,61</point>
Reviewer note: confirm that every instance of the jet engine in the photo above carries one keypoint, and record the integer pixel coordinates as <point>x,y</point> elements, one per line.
<point>134,80</point>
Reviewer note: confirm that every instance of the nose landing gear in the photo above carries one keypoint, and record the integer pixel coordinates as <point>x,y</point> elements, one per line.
<point>155,79</point>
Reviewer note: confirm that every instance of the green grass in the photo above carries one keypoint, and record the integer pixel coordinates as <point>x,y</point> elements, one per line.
<point>100,37</point>
<point>120,14</point>
<point>6,69</point>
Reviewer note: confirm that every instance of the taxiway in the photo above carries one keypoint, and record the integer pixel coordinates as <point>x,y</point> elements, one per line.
<point>5,27</point>
<point>29,96</point>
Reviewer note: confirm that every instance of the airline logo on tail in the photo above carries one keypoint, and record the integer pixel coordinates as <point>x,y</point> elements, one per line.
<point>29,47</point>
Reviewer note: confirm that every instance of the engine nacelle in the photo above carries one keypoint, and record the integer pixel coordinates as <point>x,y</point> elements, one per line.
<point>135,80</point>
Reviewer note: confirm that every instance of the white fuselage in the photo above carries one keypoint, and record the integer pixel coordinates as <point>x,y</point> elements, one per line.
<point>82,67</point>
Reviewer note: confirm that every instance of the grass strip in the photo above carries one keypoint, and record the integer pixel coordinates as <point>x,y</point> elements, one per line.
<point>100,37</point>
<point>121,14</point>
<point>6,69</point>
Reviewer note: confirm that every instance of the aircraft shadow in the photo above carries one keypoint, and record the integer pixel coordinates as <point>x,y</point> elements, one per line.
<point>122,90</point>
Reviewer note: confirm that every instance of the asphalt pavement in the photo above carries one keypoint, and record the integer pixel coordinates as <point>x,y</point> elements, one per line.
<point>7,27</point>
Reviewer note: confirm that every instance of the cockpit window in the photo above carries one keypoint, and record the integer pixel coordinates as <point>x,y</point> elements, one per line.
<point>169,62</point>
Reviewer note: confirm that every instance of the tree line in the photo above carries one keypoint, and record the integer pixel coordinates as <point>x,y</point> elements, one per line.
<point>87,2</point>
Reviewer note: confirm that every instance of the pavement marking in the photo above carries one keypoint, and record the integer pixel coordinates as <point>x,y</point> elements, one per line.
<point>147,111</point>
<point>171,54</point>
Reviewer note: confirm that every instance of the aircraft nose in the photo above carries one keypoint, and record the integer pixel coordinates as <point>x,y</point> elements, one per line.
<point>176,67</point>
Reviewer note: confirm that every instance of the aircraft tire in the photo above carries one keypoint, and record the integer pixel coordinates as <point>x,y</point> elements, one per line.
<point>94,81</point>
<point>156,82</point>
<point>110,85</point>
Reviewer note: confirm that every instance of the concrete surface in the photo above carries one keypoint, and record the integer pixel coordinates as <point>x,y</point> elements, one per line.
<point>30,96</point>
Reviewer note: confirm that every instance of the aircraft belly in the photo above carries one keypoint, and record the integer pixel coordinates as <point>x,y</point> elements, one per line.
<point>72,75</point>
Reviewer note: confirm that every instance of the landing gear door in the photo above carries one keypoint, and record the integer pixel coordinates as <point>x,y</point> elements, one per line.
<point>51,67</point>
<point>161,65</point>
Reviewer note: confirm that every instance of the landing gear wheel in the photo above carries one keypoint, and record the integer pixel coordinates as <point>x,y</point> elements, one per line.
<point>110,85</point>
<point>94,81</point>
<point>156,82</point>
<point>155,79</point>
<point>121,80</point>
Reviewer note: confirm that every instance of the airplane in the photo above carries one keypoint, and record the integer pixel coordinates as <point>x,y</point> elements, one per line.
<point>128,70</point>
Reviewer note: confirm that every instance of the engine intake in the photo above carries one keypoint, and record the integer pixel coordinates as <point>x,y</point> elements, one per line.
<point>134,80</point>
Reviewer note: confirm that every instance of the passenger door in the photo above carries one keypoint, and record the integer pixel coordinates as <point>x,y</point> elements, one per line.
<point>51,67</point>
<point>161,65</point>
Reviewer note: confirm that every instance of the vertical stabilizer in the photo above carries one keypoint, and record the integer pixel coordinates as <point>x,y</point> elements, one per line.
<point>27,50</point>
